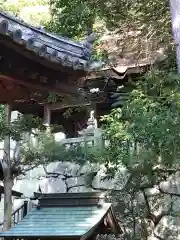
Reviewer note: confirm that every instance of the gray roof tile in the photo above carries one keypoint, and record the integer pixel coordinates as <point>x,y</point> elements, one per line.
<point>53,47</point>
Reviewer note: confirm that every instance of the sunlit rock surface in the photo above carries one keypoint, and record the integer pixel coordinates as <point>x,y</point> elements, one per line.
<point>168,228</point>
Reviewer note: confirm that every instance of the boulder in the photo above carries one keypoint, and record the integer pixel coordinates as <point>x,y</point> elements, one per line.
<point>168,228</point>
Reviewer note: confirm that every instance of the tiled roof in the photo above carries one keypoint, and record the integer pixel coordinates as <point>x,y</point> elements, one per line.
<point>52,47</point>
<point>70,199</point>
<point>59,221</point>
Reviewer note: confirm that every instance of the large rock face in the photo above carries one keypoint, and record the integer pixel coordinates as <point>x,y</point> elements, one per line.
<point>168,228</point>
<point>36,177</point>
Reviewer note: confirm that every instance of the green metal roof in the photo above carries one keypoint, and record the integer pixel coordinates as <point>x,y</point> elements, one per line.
<point>59,221</point>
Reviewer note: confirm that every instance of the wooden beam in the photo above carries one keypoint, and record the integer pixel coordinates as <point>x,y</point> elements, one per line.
<point>112,220</point>
<point>60,89</point>
<point>58,106</point>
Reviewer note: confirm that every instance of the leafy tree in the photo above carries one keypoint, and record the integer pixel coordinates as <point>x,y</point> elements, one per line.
<point>22,159</point>
<point>151,16</point>
<point>74,18</point>
<point>131,20</point>
<point>34,146</point>
<point>144,141</point>
<point>35,12</point>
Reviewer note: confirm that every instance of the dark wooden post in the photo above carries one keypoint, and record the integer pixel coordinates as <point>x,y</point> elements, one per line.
<point>25,208</point>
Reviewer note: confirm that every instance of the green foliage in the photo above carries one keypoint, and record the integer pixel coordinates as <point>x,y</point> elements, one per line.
<point>72,18</point>
<point>35,12</point>
<point>74,109</point>
<point>151,16</point>
<point>23,124</point>
<point>1,113</point>
<point>144,134</point>
<point>34,145</point>
<point>42,149</point>
<point>77,18</point>
<point>144,148</point>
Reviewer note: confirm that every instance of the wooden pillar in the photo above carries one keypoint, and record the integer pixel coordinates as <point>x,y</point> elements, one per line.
<point>47,115</point>
<point>25,208</point>
<point>95,113</point>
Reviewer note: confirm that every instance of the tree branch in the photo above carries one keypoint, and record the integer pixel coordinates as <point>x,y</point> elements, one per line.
<point>57,174</point>
<point>74,186</point>
<point>16,153</point>
<point>166,170</point>
<point>147,202</point>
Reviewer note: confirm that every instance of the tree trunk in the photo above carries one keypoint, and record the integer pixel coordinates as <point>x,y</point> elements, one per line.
<point>175,14</point>
<point>8,178</point>
<point>8,184</point>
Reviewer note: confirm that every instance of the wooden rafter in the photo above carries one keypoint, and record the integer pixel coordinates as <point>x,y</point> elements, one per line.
<point>34,85</point>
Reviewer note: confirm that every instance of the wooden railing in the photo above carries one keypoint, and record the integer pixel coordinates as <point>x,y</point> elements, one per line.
<point>85,141</point>
<point>89,140</point>
<point>18,214</point>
